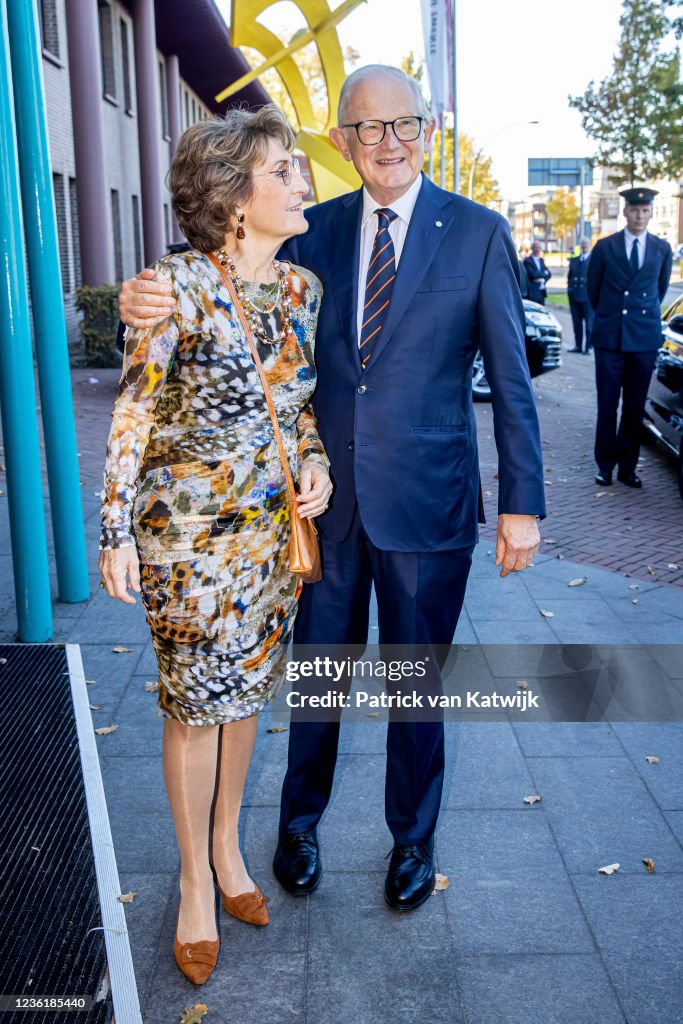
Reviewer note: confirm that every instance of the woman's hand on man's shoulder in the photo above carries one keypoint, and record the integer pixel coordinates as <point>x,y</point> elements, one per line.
<point>146,300</point>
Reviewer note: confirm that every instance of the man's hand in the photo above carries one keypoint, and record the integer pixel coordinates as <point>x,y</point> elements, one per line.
<point>315,489</point>
<point>145,301</point>
<point>517,542</point>
<point>117,564</point>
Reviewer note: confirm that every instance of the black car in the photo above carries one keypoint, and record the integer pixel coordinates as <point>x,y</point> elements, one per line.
<point>664,404</point>
<point>543,348</point>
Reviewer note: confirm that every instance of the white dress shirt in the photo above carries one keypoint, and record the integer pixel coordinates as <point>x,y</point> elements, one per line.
<point>398,229</point>
<point>642,242</point>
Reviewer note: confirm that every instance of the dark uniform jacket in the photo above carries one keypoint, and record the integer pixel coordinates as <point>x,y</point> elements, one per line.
<point>577,279</point>
<point>536,293</point>
<point>627,307</point>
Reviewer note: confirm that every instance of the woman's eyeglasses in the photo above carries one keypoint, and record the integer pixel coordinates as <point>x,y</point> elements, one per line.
<point>285,171</point>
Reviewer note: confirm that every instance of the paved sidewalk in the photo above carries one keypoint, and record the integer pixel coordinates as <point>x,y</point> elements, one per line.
<point>528,932</point>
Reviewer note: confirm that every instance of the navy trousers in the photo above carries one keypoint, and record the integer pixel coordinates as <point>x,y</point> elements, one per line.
<point>582,312</point>
<point>625,374</point>
<point>419,598</point>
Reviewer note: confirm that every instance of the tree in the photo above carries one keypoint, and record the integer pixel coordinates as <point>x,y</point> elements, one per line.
<point>635,114</point>
<point>486,189</point>
<point>563,211</point>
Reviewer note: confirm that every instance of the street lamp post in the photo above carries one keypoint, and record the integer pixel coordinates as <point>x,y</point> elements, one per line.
<point>481,149</point>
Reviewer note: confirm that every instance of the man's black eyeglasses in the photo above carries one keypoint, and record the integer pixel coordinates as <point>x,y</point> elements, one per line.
<point>371,133</point>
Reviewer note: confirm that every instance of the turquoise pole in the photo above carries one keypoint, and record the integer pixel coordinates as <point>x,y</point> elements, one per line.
<point>17,391</point>
<point>49,324</point>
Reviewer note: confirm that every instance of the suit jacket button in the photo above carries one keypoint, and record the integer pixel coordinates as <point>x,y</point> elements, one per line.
<point>624,311</point>
<point>361,389</point>
<point>625,293</point>
<point>350,446</point>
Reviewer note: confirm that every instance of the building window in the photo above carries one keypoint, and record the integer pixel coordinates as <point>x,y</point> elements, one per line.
<point>49,29</point>
<point>62,237</point>
<point>137,234</point>
<point>125,67</point>
<point>75,234</point>
<point>167,225</point>
<point>194,111</point>
<point>116,230</point>
<point>163,96</point>
<point>107,49</point>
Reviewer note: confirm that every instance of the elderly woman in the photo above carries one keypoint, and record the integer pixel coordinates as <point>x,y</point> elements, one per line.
<point>195,512</point>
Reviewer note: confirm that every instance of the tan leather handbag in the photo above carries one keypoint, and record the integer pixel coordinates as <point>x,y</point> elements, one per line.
<point>304,549</point>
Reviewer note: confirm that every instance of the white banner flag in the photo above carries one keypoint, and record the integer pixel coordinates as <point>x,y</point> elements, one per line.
<point>437,26</point>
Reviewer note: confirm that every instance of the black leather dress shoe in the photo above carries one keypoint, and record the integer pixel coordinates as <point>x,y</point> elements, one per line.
<point>604,479</point>
<point>629,478</point>
<point>411,877</point>
<point>296,864</point>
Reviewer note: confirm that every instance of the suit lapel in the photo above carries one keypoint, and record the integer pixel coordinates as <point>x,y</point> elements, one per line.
<point>650,253</point>
<point>344,257</point>
<point>619,250</point>
<point>421,245</point>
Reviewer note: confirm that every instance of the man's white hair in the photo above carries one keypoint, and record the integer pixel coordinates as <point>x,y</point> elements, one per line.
<point>375,71</point>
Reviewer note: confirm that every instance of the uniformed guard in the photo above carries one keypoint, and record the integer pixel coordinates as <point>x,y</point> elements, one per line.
<point>628,275</point>
<point>577,292</point>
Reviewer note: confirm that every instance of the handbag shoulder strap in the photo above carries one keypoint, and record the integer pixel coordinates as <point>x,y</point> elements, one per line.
<point>262,374</point>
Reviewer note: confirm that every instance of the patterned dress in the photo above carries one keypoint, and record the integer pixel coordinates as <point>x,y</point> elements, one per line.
<point>193,478</point>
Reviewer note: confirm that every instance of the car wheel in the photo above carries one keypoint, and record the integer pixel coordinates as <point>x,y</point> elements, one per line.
<point>481,391</point>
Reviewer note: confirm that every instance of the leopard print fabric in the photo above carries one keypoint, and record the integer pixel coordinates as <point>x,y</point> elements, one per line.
<point>193,478</point>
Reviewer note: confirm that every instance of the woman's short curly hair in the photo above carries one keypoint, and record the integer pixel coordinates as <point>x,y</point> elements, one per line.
<point>212,170</point>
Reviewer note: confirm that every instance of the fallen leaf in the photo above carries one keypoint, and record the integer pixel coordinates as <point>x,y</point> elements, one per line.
<point>547,615</point>
<point>442,882</point>
<point>93,380</point>
<point>277,728</point>
<point>652,760</point>
<point>649,864</point>
<point>672,565</point>
<point>194,1014</point>
<point>120,649</point>
<point>522,684</point>
<point>633,586</point>
<point>151,687</point>
<point>600,494</point>
<point>531,799</point>
<point>90,682</point>
<point>560,557</point>
<point>610,869</point>
<point>95,707</point>
<point>106,729</point>
<point>635,600</point>
<point>652,569</point>
<point>127,897</point>
<point>577,582</point>
<point>549,540</point>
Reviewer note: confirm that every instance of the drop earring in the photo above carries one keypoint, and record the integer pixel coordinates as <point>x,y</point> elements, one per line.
<point>240,233</point>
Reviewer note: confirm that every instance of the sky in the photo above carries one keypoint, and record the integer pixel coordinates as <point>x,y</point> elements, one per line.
<point>517,61</point>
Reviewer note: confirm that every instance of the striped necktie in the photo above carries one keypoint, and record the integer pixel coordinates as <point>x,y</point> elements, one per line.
<point>379,285</point>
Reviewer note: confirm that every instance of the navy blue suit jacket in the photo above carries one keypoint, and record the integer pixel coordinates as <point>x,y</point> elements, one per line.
<point>401,435</point>
<point>628,308</point>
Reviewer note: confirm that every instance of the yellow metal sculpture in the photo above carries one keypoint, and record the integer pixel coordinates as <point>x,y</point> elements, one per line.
<point>330,173</point>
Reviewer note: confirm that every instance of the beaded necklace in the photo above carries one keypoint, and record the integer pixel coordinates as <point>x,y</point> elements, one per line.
<point>253,312</point>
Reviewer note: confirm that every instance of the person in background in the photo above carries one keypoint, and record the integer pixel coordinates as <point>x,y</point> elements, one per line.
<point>538,273</point>
<point>628,276</point>
<point>577,292</point>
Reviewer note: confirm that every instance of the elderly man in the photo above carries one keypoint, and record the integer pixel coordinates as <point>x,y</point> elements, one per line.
<point>537,272</point>
<point>628,276</point>
<point>415,281</point>
<point>577,292</point>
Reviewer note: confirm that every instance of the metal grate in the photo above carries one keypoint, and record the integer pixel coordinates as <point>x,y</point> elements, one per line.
<point>48,888</point>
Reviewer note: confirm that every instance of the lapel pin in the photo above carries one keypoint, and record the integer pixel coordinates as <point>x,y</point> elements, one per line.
<point>438,224</point>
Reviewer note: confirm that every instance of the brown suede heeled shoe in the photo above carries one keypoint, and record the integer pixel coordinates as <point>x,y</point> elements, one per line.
<point>196,959</point>
<point>248,906</point>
